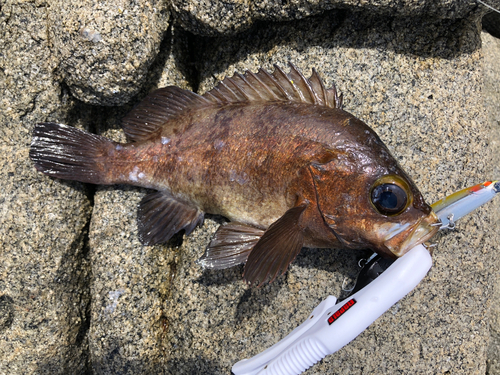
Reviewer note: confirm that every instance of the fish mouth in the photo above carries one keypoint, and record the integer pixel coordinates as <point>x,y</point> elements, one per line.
<point>403,240</point>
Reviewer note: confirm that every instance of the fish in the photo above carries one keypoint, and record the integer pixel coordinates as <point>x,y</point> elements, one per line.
<point>274,153</point>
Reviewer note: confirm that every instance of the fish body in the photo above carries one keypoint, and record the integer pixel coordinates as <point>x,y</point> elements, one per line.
<point>274,153</point>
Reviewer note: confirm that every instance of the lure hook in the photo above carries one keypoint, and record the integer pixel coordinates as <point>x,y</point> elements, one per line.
<point>451,223</point>
<point>429,246</point>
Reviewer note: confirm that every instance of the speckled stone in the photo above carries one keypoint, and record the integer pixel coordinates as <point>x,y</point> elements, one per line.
<point>29,91</point>
<point>212,18</point>
<point>422,92</point>
<point>44,268</point>
<point>491,48</point>
<point>417,81</point>
<point>130,281</point>
<point>106,48</point>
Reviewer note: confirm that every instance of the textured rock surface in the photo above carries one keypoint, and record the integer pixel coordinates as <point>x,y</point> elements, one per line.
<point>235,15</point>
<point>130,281</point>
<point>491,48</point>
<point>106,48</point>
<point>128,286</point>
<point>417,82</point>
<point>423,96</point>
<point>29,91</point>
<point>44,267</point>
<point>44,271</point>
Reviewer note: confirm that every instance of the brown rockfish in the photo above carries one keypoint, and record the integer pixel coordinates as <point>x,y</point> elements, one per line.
<point>272,152</point>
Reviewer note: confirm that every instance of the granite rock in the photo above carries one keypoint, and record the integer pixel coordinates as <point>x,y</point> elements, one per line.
<point>212,18</point>
<point>131,281</point>
<point>44,268</point>
<point>79,293</point>
<point>491,48</point>
<point>47,322</point>
<point>422,92</point>
<point>29,91</point>
<point>106,48</point>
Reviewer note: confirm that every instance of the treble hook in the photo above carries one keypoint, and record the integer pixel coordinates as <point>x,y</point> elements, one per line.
<point>450,225</point>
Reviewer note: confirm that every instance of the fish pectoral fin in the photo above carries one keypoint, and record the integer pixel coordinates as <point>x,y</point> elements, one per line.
<point>230,246</point>
<point>277,248</point>
<point>160,216</point>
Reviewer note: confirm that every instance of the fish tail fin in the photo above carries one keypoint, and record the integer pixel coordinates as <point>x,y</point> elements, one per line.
<point>69,153</point>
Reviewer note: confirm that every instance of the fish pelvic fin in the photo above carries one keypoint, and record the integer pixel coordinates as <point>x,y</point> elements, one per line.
<point>69,153</point>
<point>277,86</point>
<point>277,248</point>
<point>230,246</point>
<point>160,216</point>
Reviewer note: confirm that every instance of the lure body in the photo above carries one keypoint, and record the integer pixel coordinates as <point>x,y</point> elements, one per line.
<point>459,204</point>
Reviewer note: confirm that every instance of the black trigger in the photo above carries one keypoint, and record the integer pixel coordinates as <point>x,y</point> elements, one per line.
<point>373,269</point>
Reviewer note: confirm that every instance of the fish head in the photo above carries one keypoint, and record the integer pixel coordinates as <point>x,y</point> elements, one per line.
<point>374,206</point>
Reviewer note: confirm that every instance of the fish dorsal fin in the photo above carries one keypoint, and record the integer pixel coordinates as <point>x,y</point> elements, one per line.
<point>160,106</point>
<point>160,217</point>
<point>277,86</point>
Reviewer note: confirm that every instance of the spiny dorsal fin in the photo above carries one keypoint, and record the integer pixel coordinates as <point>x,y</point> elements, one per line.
<point>162,105</point>
<point>277,86</point>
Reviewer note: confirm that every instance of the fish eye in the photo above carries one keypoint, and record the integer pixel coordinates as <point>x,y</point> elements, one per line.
<point>390,195</point>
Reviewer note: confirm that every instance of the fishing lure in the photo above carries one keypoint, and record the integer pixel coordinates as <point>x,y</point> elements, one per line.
<point>332,324</point>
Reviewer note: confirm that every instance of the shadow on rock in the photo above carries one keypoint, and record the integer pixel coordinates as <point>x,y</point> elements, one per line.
<point>221,277</point>
<point>331,260</point>
<point>255,299</point>
<point>419,36</point>
<point>6,312</point>
<point>194,366</point>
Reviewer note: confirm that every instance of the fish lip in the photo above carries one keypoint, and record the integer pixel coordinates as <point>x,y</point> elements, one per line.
<point>402,242</point>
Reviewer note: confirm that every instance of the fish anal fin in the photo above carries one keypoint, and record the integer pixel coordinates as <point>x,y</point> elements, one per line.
<point>230,246</point>
<point>277,248</point>
<point>160,216</point>
<point>157,109</point>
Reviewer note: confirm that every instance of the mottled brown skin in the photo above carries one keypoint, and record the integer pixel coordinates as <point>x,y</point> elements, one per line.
<point>274,153</point>
<point>252,162</point>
